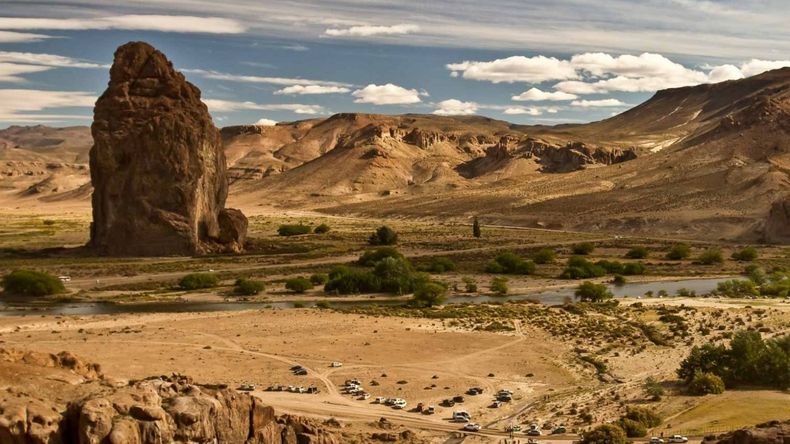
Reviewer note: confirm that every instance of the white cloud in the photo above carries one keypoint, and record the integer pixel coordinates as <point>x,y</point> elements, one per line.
<point>20,37</point>
<point>266,122</point>
<point>516,69</point>
<point>311,89</point>
<point>134,22</point>
<point>283,81</point>
<point>46,60</point>
<point>754,66</point>
<point>216,105</point>
<point>21,105</point>
<point>455,107</point>
<point>643,65</point>
<point>9,72</point>
<point>724,72</point>
<point>369,30</point>
<point>597,103</point>
<point>388,94</point>
<point>537,95</point>
<point>517,110</point>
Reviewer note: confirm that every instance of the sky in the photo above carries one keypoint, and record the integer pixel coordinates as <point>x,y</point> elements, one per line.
<point>268,61</point>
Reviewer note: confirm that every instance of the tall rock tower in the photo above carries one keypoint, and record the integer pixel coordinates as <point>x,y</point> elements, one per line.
<point>157,164</point>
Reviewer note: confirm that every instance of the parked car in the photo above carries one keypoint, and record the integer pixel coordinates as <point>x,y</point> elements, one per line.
<point>678,439</point>
<point>458,399</point>
<point>247,387</point>
<point>448,403</point>
<point>430,410</point>
<point>399,404</point>
<point>461,416</point>
<point>513,428</point>
<point>312,389</point>
<point>336,364</point>
<point>559,430</point>
<point>380,400</point>
<point>472,427</point>
<point>419,407</point>
<point>496,404</point>
<point>364,396</point>
<point>474,391</point>
<point>656,440</point>
<point>64,279</point>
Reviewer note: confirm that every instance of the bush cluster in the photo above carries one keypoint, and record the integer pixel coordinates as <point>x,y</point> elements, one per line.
<point>605,434</point>
<point>391,273</point>
<point>747,254</point>
<point>583,248</point>
<point>248,287</point>
<point>734,288</point>
<point>749,359</point>
<point>439,265</point>
<point>384,235</point>
<point>293,229</point>
<point>510,263</point>
<point>580,268</point>
<point>321,229</point>
<point>678,252</point>
<point>298,284</point>
<point>31,283</point>
<point>196,281</point>
<point>370,257</point>
<point>637,253</point>
<point>592,292</point>
<point>711,256</point>
<point>544,256</point>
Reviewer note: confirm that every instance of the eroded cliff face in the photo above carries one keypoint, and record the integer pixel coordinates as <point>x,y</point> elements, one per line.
<point>65,400</point>
<point>774,432</point>
<point>777,226</point>
<point>157,163</point>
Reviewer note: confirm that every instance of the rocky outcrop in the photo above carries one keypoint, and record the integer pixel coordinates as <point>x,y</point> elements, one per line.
<point>65,400</point>
<point>777,226</point>
<point>774,432</point>
<point>157,163</point>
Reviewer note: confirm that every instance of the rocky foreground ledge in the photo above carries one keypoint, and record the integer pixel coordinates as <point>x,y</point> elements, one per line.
<point>774,432</point>
<point>52,399</point>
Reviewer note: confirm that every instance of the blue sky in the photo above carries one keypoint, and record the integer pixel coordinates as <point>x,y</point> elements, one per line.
<point>538,61</point>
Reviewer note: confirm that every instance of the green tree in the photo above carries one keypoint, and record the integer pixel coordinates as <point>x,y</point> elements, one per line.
<point>510,263</point>
<point>653,389</point>
<point>476,228</point>
<point>605,434</point>
<point>248,287</point>
<point>196,281</point>
<point>706,384</point>
<point>747,254</point>
<point>298,285</point>
<point>430,294</point>
<point>544,256</point>
<point>370,257</point>
<point>31,283</point>
<point>384,235</point>
<point>592,292</point>
<point>679,252</point>
<point>499,286</point>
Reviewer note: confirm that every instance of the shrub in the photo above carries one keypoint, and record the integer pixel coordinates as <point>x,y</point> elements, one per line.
<point>632,429</point>
<point>319,279</point>
<point>397,275</point>
<point>384,235</point>
<point>499,286</point>
<point>370,257</point>
<point>195,281</point>
<point>476,228</point>
<point>747,254</point>
<point>711,256</point>
<point>440,265</point>
<point>678,252</point>
<point>544,256</point>
<point>644,416</point>
<point>347,280</point>
<point>756,274</point>
<point>637,253</point>
<point>612,267</point>
<point>583,248</point>
<point>470,286</point>
<point>653,389</point>
<point>592,292</point>
<point>633,268</point>
<point>618,280</point>
<point>293,229</point>
<point>510,263</point>
<point>298,285</point>
<point>31,283</point>
<point>580,268</point>
<point>429,294</point>
<point>736,288</point>
<point>322,229</point>
<point>248,287</point>
<point>322,304</point>
<point>706,384</point>
<point>605,434</point>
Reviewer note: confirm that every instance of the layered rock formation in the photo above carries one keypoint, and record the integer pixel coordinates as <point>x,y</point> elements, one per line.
<point>65,400</point>
<point>157,164</point>
<point>777,227</point>
<point>774,432</point>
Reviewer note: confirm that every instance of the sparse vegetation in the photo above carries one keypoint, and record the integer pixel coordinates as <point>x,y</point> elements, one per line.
<point>637,253</point>
<point>499,286</point>
<point>510,263</point>
<point>470,286</point>
<point>384,235</point>
<point>580,268</point>
<point>197,281</point>
<point>31,283</point>
<point>653,389</point>
<point>583,249</point>
<point>429,294</point>
<point>293,229</point>
<point>605,434</point>
<point>371,257</point>
<point>544,256</point>
<point>592,292</point>
<point>319,278</point>
<point>476,228</point>
<point>747,254</point>
<point>679,252</point>
<point>711,256</point>
<point>439,265</point>
<point>322,229</point>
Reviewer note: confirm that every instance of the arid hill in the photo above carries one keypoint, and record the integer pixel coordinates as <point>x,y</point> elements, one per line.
<point>709,161</point>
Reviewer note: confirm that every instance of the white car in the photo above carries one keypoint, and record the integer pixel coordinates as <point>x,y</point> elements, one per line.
<point>678,439</point>
<point>656,440</point>
<point>399,404</point>
<point>336,364</point>
<point>64,278</point>
<point>461,416</point>
<point>472,427</point>
<point>380,400</point>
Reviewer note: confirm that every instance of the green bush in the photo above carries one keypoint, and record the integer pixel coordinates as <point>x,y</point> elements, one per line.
<point>384,235</point>
<point>510,263</point>
<point>321,229</point>
<point>298,285</point>
<point>440,265</point>
<point>643,415</point>
<point>429,294</point>
<point>654,389</point>
<point>390,274</point>
<point>322,304</point>
<point>470,286</point>
<point>583,249</point>
<point>605,434</point>
<point>196,281</point>
<point>734,288</point>
<point>756,274</point>
<point>319,279</point>
<point>31,283</point>
<point>580,268</point>
<point>248,287</point>
<point>637,253</point>
<point>618,280</point>
<point>747,254</point>
<point>293,229</point>
<point>476,228</point>
<point>632,429</point>
<point>711,256</point>
<point>347,280</point>
<point>499,286</point>
<point>544,256</point>
<point>679,252</point>
<point>370,257</point>
<point>592,292</point>
<point>706,384</point>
